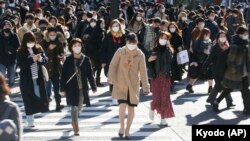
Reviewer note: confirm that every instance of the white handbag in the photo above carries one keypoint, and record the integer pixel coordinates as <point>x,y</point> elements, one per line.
<point>182,57</point>
<point>45,74</point>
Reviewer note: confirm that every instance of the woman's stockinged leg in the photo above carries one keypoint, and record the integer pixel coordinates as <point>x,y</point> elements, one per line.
<point>131,114</point>
<point>122,114</point>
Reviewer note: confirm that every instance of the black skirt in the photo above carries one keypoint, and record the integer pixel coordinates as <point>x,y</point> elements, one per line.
<point>120,101</point>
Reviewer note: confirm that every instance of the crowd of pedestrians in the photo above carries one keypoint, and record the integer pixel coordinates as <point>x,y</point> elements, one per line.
<point>65,44</point>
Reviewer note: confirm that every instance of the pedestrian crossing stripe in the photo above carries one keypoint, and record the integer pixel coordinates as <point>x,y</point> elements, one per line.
<point>94,126</point>
<point>90,134</point>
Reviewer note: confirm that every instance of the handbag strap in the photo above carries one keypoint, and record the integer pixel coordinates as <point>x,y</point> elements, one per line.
<point>71,77</point>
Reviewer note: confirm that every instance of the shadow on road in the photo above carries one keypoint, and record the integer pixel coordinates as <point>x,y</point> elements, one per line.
<point>208,115</point>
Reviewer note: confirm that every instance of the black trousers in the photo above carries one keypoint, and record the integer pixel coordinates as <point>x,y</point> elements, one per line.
<point>244,92</point>
<point>218,88</point>
<point>97,67</point>
<point>56,84</point>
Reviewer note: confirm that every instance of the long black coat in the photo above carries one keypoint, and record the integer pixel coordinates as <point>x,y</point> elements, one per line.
<point>32,103</point>
<point>8,47</point>
<point>176,42</point>
<point>72,89</point>
<point>218,60</point>
<point>109,47</point>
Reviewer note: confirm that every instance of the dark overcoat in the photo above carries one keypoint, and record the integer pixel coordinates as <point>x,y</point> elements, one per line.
<point>32,103</point>
<point>72,88</point>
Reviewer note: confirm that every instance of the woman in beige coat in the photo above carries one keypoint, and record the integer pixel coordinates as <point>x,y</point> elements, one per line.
<point>126,70</point>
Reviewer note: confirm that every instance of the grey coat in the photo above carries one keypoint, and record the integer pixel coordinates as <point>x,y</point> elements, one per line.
<point>14,115</point>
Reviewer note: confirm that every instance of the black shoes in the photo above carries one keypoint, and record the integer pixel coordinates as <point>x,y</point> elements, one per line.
<point>210,89</point>
<point>230,105</point>
<point>120,135</point>
<point>127,138</point>
<point>98,82</point>
<point>99,85</point>
<point>215,107</point>
<point>246,112</point>
<point>59,108</point>
<point>189,88</point>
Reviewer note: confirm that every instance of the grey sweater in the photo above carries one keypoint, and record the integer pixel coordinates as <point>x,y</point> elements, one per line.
<point>14,115</point>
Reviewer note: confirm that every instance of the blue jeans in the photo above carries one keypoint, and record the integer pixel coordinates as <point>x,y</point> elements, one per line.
<point>10,70</point>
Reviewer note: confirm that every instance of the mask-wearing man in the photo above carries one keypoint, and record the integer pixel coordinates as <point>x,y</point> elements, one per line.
<point>9,44</point>
<point>55,53</point>
<point>211,24</point>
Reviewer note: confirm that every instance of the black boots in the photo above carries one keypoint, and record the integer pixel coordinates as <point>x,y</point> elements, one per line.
<point>189,88</point>
<point>210,88</point>
<point>98,82</point>
<point>59,108</point>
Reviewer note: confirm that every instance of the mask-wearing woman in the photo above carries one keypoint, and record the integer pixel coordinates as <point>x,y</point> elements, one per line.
<point>114,40</point>
<point>76,74</point>
<point>182,21</point>
<point>136,23</point>
<point>236,74</point>
<point>127,68</point>
<point>176,42</point>
<point>160,63</point>
<point>217,59</point>
<point>201,50</point>
<point>31,59</point>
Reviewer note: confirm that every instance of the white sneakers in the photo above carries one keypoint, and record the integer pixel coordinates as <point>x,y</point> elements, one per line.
<point>114,101</point>
<point>30,121</point>
<point>151,114</point>
<point>164,122</point>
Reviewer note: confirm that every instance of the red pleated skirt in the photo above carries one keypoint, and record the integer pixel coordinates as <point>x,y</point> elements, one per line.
<point>161,102</point>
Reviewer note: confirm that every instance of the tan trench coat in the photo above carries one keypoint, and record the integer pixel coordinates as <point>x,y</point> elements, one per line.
<point>126,76</point>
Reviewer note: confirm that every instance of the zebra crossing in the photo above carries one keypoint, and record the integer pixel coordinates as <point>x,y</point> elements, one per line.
<point>99,122</point>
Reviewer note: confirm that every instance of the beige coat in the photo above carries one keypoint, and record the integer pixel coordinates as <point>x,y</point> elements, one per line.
<point>126,70</point>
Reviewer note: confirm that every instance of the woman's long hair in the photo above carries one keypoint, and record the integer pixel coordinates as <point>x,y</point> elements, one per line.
<point>4,88</point>
<point>204,31</point>
<point>29,37</point>
<point>178,31</point>
<point>133,20</point>
<point>113,22</point>
<point>156,44</point>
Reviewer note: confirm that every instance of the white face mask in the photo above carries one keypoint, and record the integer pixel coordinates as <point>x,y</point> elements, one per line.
<point>131,46</point>
<point>206,38</point>
<point>30,45</point>
<point>202,25</point>
<point>93,24</point>
<point>52,38</point>
<point>222,39</point>
<point>184,18</point>
<point>123,26</point>
<point>163,42</point>
<point>222,24</point>
<point>163,10</point>
<point>138,19</point>
<point>102,26</point>
<point>245,37</point>
<point>115,29</point>
<point>172,30</point>
<point>77,50</point>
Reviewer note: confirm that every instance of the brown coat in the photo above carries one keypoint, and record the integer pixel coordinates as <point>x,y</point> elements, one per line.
<point>124,71</point>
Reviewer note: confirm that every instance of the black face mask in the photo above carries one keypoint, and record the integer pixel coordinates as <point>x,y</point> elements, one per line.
<point>43,28</point>
<point>7,30</point>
